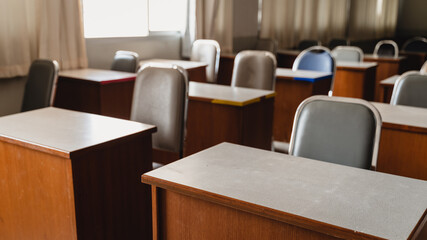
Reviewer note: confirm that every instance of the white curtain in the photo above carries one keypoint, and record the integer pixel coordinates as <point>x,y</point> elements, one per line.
<point>371,19</point>
<point>213,20</point>
<point>290,21</point>
<point>32,29</point>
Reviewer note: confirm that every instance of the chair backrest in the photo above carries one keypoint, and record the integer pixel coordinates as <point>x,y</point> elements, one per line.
<point>423,69</point>
<point>338,42</point>
<point>160,98</point>
<point>41,84</point>
<point>266,44</point>
<point>125,61</point>
<point>207,51</point>
<point>338,130</point>
<point>304,44</point>
<point>416,44</point>
<point>348,53</point>
<point>386,48</point>
<point>254,69</point>
<point>410,89</point>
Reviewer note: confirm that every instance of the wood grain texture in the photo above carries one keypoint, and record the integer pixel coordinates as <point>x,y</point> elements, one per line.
<point>355,82</point>
<point>184,217</point>
<point>289,94</point>
<point>387,67</point>
<point>209,124</point>
<point>37,196</point>
<point>112,99</point>
<point>403,153</point>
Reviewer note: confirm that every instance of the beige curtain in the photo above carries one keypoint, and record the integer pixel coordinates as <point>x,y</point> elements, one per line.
<point>32,29</point>
<point>371,19</point>
<point>214,21</point>
<point>290,21</point>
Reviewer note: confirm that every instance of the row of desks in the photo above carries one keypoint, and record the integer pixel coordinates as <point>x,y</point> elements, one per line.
<point>219,113</point>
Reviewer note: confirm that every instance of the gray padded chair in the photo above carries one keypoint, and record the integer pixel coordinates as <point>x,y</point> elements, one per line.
<point>410,89</point>
<point>338,130</point>
<point>125,61</point>
<point>386,48</point>
<point>254,69</point>
<point>423,69</point>
<point>41,85</point>
<point>348,54</point>
<point>207,51</point>
<point>160,98</point>
<point>266,44</point>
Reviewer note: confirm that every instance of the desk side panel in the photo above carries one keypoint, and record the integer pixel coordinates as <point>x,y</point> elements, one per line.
<point>403,153</point>
<point>36,195</point>
<point>209,124</point>
<point>225,70</point>
<point>355,83</point>
<point>116,99</point>
<point>111,203</point>
<point>78,95</point>
<point>385,69</point>
<point>185,217</point>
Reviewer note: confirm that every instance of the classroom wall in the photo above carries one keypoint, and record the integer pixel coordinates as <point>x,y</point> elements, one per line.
<point>412,20</point>
<point>245,24</point>
<point>100,51</point>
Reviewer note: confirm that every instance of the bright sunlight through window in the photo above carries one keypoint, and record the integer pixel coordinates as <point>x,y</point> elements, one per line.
<point>132,18</point>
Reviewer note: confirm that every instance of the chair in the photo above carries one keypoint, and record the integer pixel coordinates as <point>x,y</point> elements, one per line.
<point>416,44</point>
<point>207,51</point>
<point>348,53</point>
<point>160,98</point>
<point>125,61</point>
<point>386,48</point>
<point>423,69</point>
<point>338,130</point>
<point>266,44</point>
<point>316,58</point>
<point>410,90</point>
<point>304,44</point>
<point>337,42</point>
<point>254,69</point>
<point>41,84</point>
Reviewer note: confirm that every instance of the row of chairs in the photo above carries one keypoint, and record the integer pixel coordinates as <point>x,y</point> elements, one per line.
<point>416,44</point>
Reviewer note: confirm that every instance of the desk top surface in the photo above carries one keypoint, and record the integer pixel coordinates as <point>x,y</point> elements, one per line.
<point>360,201</point>
<point>402,115</point>
<point>390,80</point>
<point>182,63</point>
<point>289,52</point>
<point>383,58</point>
<point>225,94</point>
<point>301,74</point>
<point>97,75</point>
<point>62,132</point>
<point>356,65</point>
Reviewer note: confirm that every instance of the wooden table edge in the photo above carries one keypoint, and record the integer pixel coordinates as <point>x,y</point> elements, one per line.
<point>402,127</point>
<point>287,218</point>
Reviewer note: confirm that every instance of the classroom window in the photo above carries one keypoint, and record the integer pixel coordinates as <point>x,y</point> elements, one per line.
<point>132,18</point>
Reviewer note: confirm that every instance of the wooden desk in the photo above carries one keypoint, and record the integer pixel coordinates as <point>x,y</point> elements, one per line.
<point>69,175</point>
<point>221,113</point>
<point>196,70</point>
<point>236,192</point>
<point>387,86</point>
<point>403,143</point>
<point>286,58</point>
<point>387,67</point>
<point>355,79</point>
<point>292,87</point>
<point>96,91</point>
